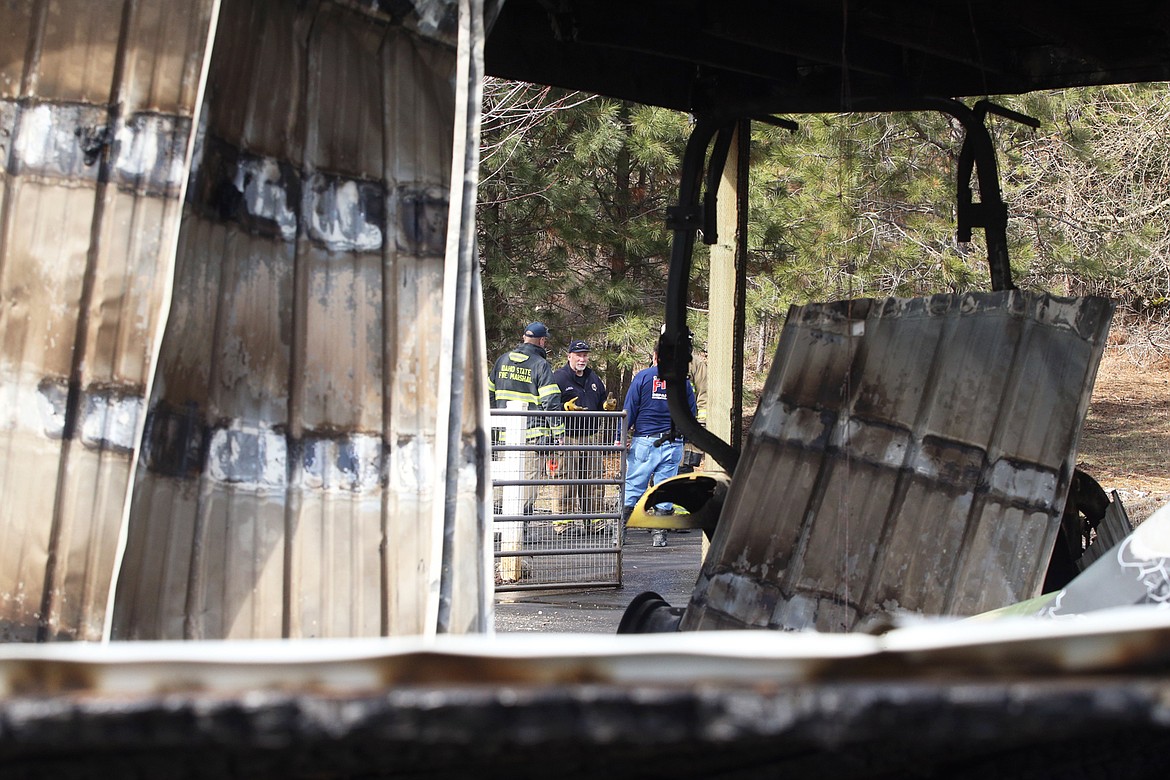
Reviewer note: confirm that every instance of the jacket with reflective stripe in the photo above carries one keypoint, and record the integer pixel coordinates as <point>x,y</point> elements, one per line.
<point>525,375</point>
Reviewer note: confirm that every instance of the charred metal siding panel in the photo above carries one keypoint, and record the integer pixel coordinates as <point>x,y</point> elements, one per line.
<point>907,454</point>
<point>96,107</point>
<point>291,479</point>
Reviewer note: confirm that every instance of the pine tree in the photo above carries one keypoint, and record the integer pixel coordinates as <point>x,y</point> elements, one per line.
<point>571,221</point>
<point>575,191</point>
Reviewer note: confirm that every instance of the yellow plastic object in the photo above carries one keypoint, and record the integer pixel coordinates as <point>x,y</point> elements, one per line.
<point>697,496</point>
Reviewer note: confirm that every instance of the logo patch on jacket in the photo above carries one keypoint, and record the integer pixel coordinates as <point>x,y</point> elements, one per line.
<point>516,373</point>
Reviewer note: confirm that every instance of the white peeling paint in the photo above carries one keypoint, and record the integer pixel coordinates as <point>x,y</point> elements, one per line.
<point>350,464</point>
<point>336,218</point>
<point>249,455</point>
<point>260,182</point>
<point>145,148</point>
<point>35,141</point>
<point>413,467</point>
<point>111,421</point>
<point>1021,481</point>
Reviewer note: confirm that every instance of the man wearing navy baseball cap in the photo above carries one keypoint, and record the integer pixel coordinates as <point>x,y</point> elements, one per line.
<point>582,391</point>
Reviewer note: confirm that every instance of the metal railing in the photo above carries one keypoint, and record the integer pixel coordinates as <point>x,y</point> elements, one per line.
<point>557,506</point>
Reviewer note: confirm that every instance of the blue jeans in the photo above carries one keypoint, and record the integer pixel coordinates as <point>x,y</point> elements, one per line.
<point>647,461</point>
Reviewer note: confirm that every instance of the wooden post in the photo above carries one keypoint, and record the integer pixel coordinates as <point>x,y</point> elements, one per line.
<point>725,318</point>
<point>726,299</point>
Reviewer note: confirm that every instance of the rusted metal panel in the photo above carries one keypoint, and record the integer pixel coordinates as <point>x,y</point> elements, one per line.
<point>1114,527</point>
<point>907,454</point>
<point>293,447</point>
<point>96,109</point>
<point>42,275</point>
<point>939,699</point>
<point>16,20</point>
<point>78,46</point>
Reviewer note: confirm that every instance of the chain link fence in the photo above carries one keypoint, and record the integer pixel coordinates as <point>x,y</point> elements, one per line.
<point>557,506</point>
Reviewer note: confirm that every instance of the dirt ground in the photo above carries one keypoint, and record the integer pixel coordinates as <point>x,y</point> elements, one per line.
<point>1125,442</point>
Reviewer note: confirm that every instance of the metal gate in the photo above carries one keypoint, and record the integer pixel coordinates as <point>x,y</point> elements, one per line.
<point>557,507</point>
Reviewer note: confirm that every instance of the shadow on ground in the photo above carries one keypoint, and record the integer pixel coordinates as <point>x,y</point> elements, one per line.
<point>669,571</point>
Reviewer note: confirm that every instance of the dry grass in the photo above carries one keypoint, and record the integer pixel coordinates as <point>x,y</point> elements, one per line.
<point>1125,443</point>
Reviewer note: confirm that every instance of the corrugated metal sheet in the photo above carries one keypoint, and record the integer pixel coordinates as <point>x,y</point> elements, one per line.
<point>906,455</point>
<point>96,107</point>
<point>1113,642</point>
<point>1011,698</point>
<point>291,480</point>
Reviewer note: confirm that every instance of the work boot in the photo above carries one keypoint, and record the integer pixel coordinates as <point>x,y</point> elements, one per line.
<point>626,512</point>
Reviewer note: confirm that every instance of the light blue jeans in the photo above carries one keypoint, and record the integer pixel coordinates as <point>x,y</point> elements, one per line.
<point>647,461</point>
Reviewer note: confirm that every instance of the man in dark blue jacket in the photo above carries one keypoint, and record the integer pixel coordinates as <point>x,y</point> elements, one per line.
<point>581,391</point>
<point>655,447</point>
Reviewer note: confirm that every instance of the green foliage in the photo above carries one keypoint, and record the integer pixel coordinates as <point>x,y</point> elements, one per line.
<point>1089,191</point>
<point>573,203</point>
<point>572,229</point>
<point>857,205</point>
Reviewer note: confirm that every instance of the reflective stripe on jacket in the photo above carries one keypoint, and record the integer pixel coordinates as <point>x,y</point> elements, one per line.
<point>524,375</point>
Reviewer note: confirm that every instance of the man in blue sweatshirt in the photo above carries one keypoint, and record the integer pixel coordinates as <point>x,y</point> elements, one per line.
<point>655,447</point>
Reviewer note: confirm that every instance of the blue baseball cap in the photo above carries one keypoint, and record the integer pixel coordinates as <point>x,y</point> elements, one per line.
<point>579,346</point>
<point>536,330</point>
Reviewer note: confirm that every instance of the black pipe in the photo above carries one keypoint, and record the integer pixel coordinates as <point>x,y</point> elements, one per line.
<point>649,613</point>
<point>674,346</point>
<point>990,213</point>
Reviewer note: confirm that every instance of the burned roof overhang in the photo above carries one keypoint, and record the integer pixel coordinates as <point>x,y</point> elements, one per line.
<point>750,56</point>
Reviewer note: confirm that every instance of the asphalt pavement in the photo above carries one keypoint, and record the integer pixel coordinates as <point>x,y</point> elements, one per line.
<point>669,571</point>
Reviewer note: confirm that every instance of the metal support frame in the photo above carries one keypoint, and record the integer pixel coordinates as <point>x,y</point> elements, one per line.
<point>690,215</point>
<point>577,560</point>
<point>990,213</point>
<point>696,211</point>
<point>706,153</point>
